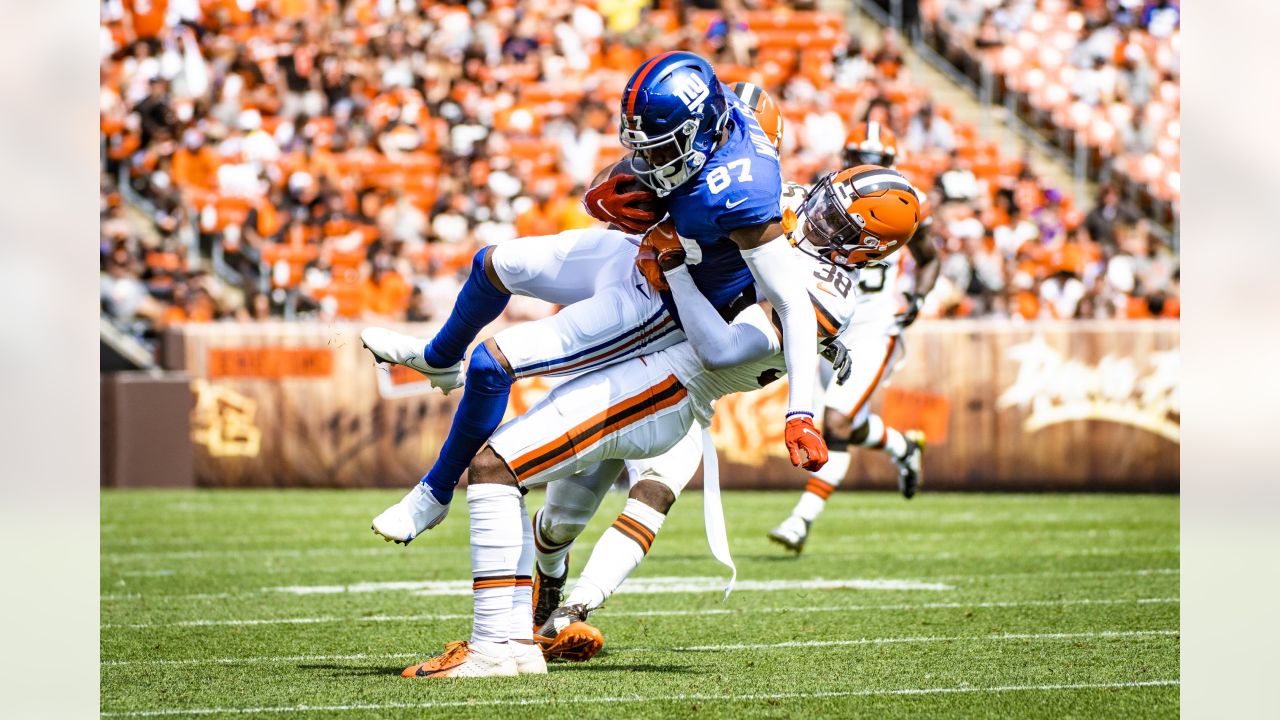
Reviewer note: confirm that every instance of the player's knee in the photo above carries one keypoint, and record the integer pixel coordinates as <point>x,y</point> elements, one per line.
<point>835,429</point>
<point>483,264</point>
<point>859,434</point>
<point>654,494</point>
<point>561,524</point>
<point>488,469</point>
<point>488,368</point>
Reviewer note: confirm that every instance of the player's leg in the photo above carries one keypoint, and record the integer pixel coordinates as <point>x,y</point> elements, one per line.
<point>562,269</point>
<point>497,538</point>
<point>528,656</point>
<point>905,449</point>
<point>630,410</point>
<point>847,408</point>
<point>622,548</point>
<point>621,321</point>
<point>569,506</point>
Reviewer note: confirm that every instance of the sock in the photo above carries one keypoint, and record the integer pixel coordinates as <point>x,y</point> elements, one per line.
<point>483,403</point>
<point>550,555</point>
<point>821,485</point>
<point>618,553</point>
<point>522,597</point>
<point>479,303</point>
<point>495,557</point>
<point>882,437</point>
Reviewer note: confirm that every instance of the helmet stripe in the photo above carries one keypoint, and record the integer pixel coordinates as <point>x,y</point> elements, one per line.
<point>873,180</point>
<point>750,94</point>
<point>873,132</point>
<point>640,76</point>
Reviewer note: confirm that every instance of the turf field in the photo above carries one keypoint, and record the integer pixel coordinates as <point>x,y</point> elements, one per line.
<point>266,603</point>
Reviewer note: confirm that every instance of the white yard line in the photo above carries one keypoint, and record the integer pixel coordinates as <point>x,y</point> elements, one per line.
<point>656,613</point>
<point>701,697</point>
<point>639,586</point>
<point>413,585</point>
<point>118,548</point>
<point>268,553</point>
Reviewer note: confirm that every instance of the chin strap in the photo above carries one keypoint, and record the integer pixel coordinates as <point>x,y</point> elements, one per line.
<point>713,511</point>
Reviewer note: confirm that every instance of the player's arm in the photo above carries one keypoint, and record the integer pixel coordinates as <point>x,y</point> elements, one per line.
<point>928,263</point>
<point>776,266</point>
<point>718,344</point>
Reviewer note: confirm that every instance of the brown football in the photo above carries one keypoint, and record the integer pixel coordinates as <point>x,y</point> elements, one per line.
<point>624,167</point>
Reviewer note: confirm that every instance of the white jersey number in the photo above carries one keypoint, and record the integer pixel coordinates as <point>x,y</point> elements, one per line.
<point>719,179</point>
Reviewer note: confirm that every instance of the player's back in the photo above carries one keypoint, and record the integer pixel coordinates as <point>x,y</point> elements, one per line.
<point>740,186</point>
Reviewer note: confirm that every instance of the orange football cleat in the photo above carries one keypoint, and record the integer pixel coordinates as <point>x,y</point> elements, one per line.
<point>459,659</point>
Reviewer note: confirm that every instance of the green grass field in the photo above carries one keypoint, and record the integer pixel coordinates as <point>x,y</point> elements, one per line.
<point>266,603</point>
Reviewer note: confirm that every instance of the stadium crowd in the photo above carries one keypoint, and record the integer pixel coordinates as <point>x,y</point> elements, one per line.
<point>325,158</point>
<point>1100,73</point>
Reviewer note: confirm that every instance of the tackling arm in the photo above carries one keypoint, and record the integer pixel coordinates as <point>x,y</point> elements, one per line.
<point>717,344</point>
<point>774,264</point>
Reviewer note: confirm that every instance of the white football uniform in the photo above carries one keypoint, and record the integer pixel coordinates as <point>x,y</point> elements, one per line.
<point>611,313</point>
<point>873,338</point>
<point>644,407</point>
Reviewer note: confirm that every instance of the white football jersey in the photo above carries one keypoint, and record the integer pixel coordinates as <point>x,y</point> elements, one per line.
<point>831,290</point>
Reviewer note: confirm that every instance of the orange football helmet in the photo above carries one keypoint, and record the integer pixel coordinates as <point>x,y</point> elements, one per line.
<point>764,108</point>
<point>870,143</point>
<point>855,216</point>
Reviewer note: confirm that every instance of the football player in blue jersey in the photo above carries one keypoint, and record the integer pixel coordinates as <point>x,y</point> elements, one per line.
<point>702,153</point>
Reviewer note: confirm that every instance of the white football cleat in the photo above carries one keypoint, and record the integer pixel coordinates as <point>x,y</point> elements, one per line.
<point>459,659</point>
<point>417,512</point>
<point>400,349</point>
<point>529,659</point>
<point>791,534</point>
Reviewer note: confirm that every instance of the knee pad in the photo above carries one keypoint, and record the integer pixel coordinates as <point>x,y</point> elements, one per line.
<point>484,372</point>
<point>560,529</point>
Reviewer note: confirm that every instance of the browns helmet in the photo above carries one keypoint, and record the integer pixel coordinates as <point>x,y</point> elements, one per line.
<point>854,216</point>
<point>764,108</point>
<point>870,143</point>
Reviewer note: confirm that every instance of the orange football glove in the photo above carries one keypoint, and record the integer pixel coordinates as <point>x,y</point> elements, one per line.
<point>667,248</point>
<point>660,249</point>
<point>803,436</point>
<point>604,203</point>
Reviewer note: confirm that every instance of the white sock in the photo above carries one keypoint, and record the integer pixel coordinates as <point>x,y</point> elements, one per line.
<point>821,485</point>
<point>882,437</point>
<point>495,555</point>
<point>550,555</point>
<point>619,552</point>
<point>522,597</point>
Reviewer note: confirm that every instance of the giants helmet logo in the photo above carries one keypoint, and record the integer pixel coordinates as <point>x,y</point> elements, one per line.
<point>694,92</point>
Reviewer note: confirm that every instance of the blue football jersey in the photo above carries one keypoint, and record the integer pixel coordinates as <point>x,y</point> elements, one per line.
<point>740,186</point>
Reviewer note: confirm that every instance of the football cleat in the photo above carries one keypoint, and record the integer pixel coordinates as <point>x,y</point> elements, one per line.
<point>459,659</point>
<point>529,659</point>
<point>548,593</point>
<point>567,636</point>
<point>909,465</point>
<point>400,349</point>
<point>417,512</point>
<point>791,533</point>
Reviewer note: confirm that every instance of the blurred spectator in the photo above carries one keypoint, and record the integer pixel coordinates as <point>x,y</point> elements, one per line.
<point>347,159</point>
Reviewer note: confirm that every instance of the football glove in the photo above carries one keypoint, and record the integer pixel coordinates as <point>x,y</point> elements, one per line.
<point>604,203</point>
<point>908,316</point>
<point>802,436</point>
<point>838,354</point>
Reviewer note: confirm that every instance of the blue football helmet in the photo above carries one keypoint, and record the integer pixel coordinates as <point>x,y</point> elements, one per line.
<point>673,110</point>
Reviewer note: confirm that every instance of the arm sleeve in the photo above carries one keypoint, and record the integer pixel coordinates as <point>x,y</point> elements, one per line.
<point>717,344</point>
<point>775,268</point>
